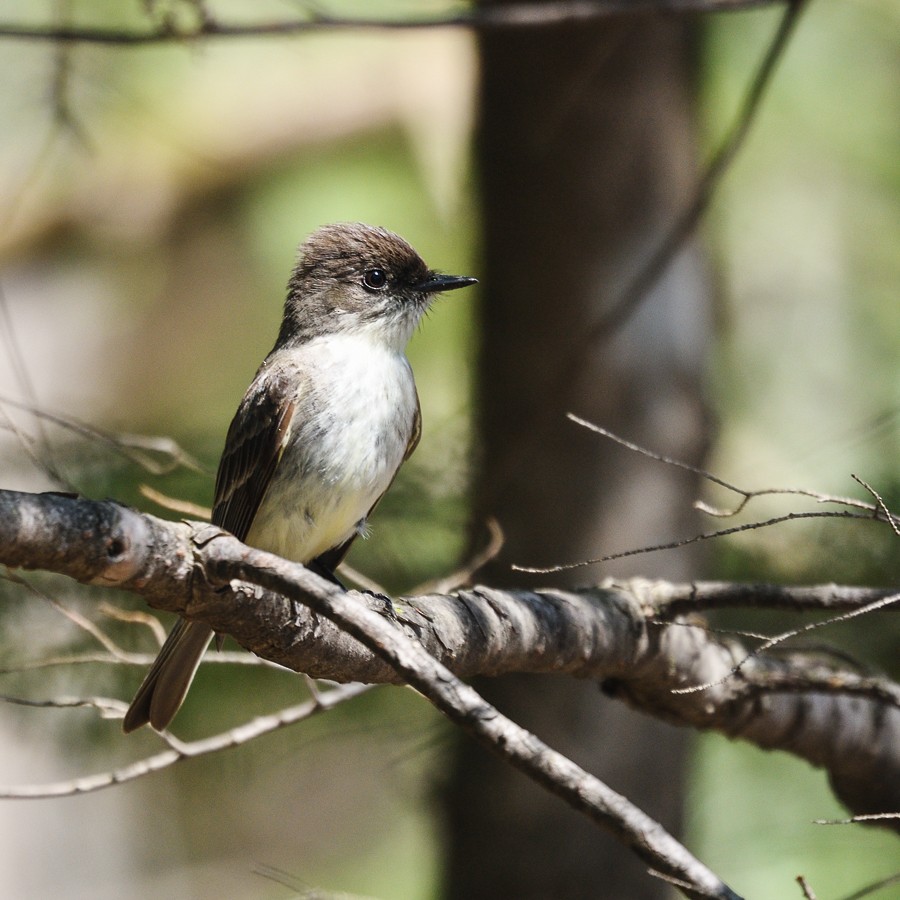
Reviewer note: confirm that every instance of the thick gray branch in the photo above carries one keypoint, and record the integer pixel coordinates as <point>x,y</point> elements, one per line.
<point>121,546</point>
<point>800,703</point>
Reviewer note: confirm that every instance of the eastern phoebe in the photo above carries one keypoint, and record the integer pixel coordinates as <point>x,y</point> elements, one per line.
<point>321,432</point>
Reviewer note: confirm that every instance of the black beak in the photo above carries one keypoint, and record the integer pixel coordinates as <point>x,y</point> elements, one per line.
<point>434,283</point>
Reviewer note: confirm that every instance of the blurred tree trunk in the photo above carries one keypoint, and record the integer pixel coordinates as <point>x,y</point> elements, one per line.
<point>585,154</point>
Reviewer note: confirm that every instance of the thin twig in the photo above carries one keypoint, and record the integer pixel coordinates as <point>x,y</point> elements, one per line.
<point>131,446</point>
<point>889,516</point>
<point>687,222</point>
<point>108,708</point>
<point>132,617</point>
<point>744,493</point>
<point>74,617</point>
<point>792,633</point>
<point>225,658</point>
<point>694,539</point>
<point>873,512</point>
<point>175,504</point>
<point>860,820</point>
<point>63,115</point>
<point>870,889</point>
<point>179,751</point>
<point>482,18</point>
<point>465,573</point>
<point>362,581</point>
<point>37,449</point>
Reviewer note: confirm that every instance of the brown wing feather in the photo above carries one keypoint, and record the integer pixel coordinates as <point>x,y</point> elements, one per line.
<point>253,447</point>
<point>414,434</point>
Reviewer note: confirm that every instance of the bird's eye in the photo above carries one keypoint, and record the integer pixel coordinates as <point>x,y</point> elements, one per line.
<point>375,279</point>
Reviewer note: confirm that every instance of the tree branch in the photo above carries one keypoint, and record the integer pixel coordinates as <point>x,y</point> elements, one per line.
<point>802,703</point>
<point>120,547</point>
<point>669,599</point>
<point>513,15</point>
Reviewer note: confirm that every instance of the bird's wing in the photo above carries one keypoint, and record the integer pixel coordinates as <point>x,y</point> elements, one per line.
<point>255,442</point>
<point>256,439</point>
<point>414,435</point>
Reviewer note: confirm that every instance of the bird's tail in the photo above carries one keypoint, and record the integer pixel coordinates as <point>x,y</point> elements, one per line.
<point>164,688</point>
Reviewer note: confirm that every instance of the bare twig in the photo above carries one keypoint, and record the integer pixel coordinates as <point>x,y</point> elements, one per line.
<point>134,616</point>
<point>73,659</point>
<point>512,15</point>
<point>687,222</point>
<point>63,115</point>
<point>859,820</point>
<point>107,707</point>
<point>694,539</point>
<point>870,889</point>
<point>867,511</point>
<point>465,573</point>
<point>175,504</point>
<point>745,494</point>
<point>225,658</point>
<point>795,632</point>
<point>74,617</point>
<point>37,449</point>
<point>179,751</point>
<point>362,581</point>
<point>882,506</point>
<point>136,448</point>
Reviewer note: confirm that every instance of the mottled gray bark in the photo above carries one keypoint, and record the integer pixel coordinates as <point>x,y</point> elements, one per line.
<point>812,707</point>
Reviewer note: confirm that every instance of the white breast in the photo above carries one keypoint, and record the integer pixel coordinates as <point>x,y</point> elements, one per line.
<point>348,437</point>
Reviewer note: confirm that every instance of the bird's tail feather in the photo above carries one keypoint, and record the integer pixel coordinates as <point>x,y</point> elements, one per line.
<point>164,688</point>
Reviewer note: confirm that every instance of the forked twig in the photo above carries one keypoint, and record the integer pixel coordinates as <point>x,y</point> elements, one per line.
<point>867,511</point>
<point>792,633</point>
<point>179,751</point>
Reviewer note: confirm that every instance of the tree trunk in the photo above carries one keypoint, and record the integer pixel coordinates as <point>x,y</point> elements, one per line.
<point>585,154</point>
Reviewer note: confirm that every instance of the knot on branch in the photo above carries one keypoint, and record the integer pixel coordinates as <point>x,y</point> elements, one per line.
<point>122,540</point>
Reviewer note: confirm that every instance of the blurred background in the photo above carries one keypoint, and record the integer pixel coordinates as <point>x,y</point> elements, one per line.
<point>151,200</point>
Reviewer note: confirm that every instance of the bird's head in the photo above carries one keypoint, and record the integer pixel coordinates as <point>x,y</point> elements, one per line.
<point>353,278</point>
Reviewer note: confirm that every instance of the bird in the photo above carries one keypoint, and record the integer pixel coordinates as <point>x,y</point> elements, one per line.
<point>330,416</point>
